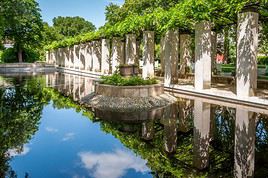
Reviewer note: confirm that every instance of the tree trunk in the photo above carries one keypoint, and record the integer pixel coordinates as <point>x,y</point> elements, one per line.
<point>20,55</point>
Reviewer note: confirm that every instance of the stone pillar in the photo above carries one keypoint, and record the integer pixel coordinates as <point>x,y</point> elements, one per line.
<point>48,57</point>
<point>171,55</point>
<point>117,53</point>
<point>162,54</point>
<point>148,55</point>
<point>203,55</point>
<point>96,56</point>
<point>247,48</point>
<point>244,153</point>
<point>213,52</point>
<point>105,56</point>
<point>186,53</point>
<point>82,56</point>
<point>71,54</point>
<point>88,56</point>
<point>201,134</point>
<point>131,49</point>
<point>76,57</point>
<point>66,57</point>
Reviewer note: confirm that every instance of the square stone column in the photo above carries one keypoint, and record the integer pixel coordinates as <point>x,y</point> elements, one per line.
<point>201,134</point>
<point>88,55</point>
<point>186,53</point>
<point>82,56</point>
<point>245,135</point>
<point>203,55</point>
<point>171,55</point>
<point>162,54</point>
<point>213,52</point>
<point>96,56</point>
<point>76,57</point>
<point>131,49</point>
<point>71,54</point>
<point>247,48</point>
<point>148,55</point>
<point>105,56</point>
<point>118,53</point>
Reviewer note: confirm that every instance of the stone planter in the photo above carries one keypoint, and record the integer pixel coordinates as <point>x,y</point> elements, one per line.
<point>128,70</point>
<point>130,91</point>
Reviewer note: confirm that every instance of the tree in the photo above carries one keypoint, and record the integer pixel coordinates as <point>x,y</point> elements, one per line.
<point>72,26</point>
<point>22,24</point>
<point>50,34</point>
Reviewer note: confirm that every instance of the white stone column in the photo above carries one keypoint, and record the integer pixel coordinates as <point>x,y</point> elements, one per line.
<point>162,54</point>
<point>171,55</point>
<point>148,55</point>
<point>82,56</point>
<point>105,56</point>
<point>48,57</point>
<point>131,49</point>
<point>203,55</point>
<point>66,57</point>
<point>213,52</point>
<point>71,55</point>
<point>244,153</point>
<point>76,57</point>
<point>88,56</point>
<point>117,53</point>
<point>247,48</point>
<point>96,56</point>
<point>201,134</point>
<point>186,53</point>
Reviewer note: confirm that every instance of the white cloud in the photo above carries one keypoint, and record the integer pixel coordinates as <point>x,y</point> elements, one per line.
<point>68,136</point>
<point>15,152</point>
<point>112,165</point>
<point>51,130</point>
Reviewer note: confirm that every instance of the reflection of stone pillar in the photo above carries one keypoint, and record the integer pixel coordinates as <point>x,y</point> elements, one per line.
<point>201,134</point>
<point>148,55</point>
<point>96,56</point>
<point>170,128</point>
<point>247,48</point>
<point>171,55</point>
<point>117,53</point>
<point>203,55</point>
<point>213,51</point>
<point>105,56</point>
<point>185,115</point>
<point>244,153</point>
<point>148,125</point>
<point>186,53</point>
<point>131,49</point>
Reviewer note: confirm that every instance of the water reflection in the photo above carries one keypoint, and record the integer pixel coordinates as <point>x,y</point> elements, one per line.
<point>191,138</point>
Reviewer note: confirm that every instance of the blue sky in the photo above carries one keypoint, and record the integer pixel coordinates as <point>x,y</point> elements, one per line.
<point>91,10</point>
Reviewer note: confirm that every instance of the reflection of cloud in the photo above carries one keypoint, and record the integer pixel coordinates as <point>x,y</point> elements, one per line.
<point>51,130</point>
<point>68,136</point>
<point>112,165</point>
<point>16,152</point>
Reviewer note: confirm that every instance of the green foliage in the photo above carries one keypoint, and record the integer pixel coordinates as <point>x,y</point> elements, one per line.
<point>10,55</point>
<point>72,26</point>
<point>263,60</point>
<point>22,23</point>
<point>118,80</point>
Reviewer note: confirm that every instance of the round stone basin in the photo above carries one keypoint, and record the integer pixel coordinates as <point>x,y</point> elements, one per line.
<point>130,91</point>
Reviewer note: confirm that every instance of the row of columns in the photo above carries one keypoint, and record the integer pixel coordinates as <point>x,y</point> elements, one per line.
<point>101,56</point>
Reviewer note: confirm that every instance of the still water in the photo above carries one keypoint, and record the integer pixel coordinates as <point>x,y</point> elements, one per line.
<point>46,133</point>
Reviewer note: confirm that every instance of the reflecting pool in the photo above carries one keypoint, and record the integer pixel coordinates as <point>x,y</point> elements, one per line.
<point>46,132</point>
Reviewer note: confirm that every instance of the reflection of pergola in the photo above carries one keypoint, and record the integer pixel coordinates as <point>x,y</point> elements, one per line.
<point>104,56</point>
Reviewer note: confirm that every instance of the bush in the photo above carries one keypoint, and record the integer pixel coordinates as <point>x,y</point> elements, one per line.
<point>263,60</point>
<point>10,56</point>
<point>118,80</point>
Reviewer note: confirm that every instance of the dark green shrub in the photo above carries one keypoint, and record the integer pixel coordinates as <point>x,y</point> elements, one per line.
<point>118,80</point>
<point>10,55</point>
<point>263,60</point>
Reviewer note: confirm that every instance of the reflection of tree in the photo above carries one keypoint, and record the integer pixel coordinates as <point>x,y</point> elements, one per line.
<point>20,112</point>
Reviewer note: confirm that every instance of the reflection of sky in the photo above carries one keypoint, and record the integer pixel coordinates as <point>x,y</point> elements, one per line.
<point>112,165</point>
<point>70,145</point>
